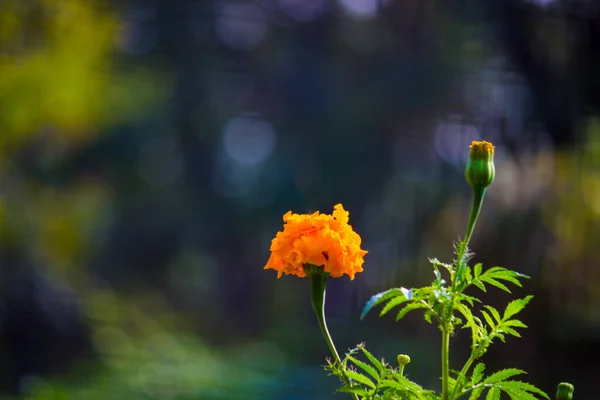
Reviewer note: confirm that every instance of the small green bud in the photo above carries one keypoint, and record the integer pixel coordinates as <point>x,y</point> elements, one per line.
<point>564,391</point>
<point>403,359</point>
<point>480,169</point>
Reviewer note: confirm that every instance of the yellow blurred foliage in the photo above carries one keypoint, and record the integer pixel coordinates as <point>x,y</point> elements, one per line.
<point>55,70</point>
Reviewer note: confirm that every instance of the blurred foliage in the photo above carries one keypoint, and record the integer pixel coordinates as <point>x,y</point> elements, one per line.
<point>57,72</point>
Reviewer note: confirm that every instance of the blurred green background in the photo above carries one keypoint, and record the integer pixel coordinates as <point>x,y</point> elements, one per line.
<point>148,149</point>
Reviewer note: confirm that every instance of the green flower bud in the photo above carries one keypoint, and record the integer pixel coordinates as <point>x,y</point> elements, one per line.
<point>480,169</point>
<point>564,391</point>
<point>403,359</point>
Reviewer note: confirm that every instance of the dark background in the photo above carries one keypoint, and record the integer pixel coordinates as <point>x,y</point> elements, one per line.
<point>149,148</point>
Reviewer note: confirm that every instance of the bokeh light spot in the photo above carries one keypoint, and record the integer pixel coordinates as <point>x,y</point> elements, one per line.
<point>248,141</point>
<point>302,10</point>
<point>240,26</point>
<point>360,9</point>
<point>452,141</point>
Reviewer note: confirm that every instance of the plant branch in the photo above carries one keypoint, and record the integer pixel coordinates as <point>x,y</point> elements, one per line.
<point>445,362</point>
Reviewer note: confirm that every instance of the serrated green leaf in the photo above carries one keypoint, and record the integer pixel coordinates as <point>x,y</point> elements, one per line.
<point>360,378</point>
<point>514,323</point>
<point>477,375</point>
<point>469,299</point>
<point>379,298</point>
<point>477,270</point>
<point>467,277</point>
<point>493,394</point>
<point>488,319</point>
<point>393,384</point>
<point>516,306</point>
<point>476,393</point>
<point>373,360</point>
<point>503,375</point>
<point>494,282</point>
<point>494,312</point>
<point>480,285</point>
<point>505,274</point>
<point>511,331</point>
<point>365,367</point>
<point>408,308</point>
<point>428,316</point>
<point>395,302</point>
<point>358,390</point>
<point>520,386</point>
<point>519,395</point>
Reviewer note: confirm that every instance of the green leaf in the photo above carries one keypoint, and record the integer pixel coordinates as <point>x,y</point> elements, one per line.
<point>365,367</point>
<point>467,277</point>
<point>494,282</point>
<point>477,373</point>
<point>514,323</point>
<point>518,386</point>
<point>494,312</point>
<point>519,395</point>
<point>516,306</point>
<point>475,393</point>
<point>477,270</point>
<point>469,299</point>
<point>505,274</point>
<point>503,375</point>
<point>379,298</point>
<point>393,384</point>
<point>358,390</point>
<point>408,308</point>
<point>488,319</point>
<point>396,301</point>
<point>510,331</point>
<point>479,285</point>
<point>493,394</point>
<point>428,316</point>
<point>360,378</point>
<point>373,360</point>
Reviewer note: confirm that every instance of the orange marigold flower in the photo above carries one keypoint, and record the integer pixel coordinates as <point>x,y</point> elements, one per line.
<point>317,239</point>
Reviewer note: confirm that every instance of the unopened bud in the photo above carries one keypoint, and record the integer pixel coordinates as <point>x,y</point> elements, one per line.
<point>564,391</point>
<point>403,359</point>
<point>480,169</point>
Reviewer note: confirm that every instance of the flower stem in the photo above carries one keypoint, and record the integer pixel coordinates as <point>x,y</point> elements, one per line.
<point>317,291</point>
<point>317,279</point>
<point>478,196</point>
<point>445,362</point>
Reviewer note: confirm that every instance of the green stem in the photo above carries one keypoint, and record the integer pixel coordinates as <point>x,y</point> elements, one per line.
<point>317,279</point>
<point>445,362</point>
<point>477,203</point>
<point>463,372</point>
<point>478,195</point>
<point>317,291</point>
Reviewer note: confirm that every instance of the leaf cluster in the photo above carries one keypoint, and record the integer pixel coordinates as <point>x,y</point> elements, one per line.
<point>370,378</point>
<point>499,382</point>
<point>445,302</point>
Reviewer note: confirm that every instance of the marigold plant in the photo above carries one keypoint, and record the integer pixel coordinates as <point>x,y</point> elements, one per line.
<point>319,245</point>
